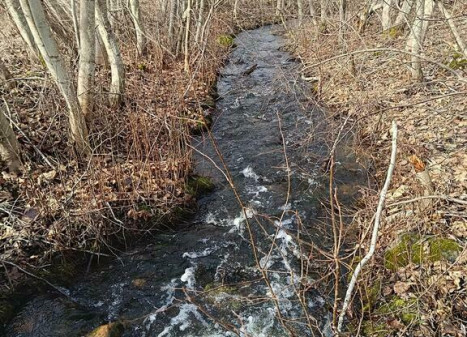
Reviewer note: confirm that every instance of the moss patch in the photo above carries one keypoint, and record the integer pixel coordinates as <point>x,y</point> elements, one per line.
<point>413,248</point>
<point>443,249</point>
<point>374,329</point>
<point>198,185</point>
<point>458,62</point>
<point>405,310</point>
<point>408,250</point>
<point>225,40</point>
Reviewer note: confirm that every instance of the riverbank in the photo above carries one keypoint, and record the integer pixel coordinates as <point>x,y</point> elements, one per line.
<point>414,283</point>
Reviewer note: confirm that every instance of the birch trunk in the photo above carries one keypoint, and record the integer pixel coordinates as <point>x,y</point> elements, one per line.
<point>9,148</point>
<point>74,16</point>
<point>415,42</point>
<point>172,15</point>
<point>48,48</point>
<point>117,86</point>
<point>342,9</point>
<point>312,11</point>
<point>386,14</point>
<point>427,14</point>
<point>135,12</point>
<point>278,7</point>
<point>300,12</point>
<point>17,15</point>
<point>323,12</point>
<point>404,11</point>
<point>199,23</point>
<point>87,55</point>
<point>452,26</point>
<point>187,36</point>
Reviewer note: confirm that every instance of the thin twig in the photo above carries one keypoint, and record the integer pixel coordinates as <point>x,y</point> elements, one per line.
<point>374,236</point>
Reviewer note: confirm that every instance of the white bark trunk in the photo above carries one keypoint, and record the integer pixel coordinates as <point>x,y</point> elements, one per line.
<point>404,11</point>
<point>452,26</point>
<point>17,15</point>
<point>172,16</point>
<point>74,16</point>
<point>386,15</point>
<point>415,42</point>
<point>117,86</point>
<point>87,55</point>
<point>199,23</point>
<point>139,28</point>
<point>312,11</point>
<point>48,48</point>
<point>9,148</point>
<point>300,12</point>
<point>427,14</point>
<point>324,11</point>
<point>187,36</point>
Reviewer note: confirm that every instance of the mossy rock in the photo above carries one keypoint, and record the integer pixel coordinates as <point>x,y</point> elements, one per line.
<point>231,302</point>
<point>372,294</point>
<point>202,124</point>
<point>198,185</point>
<point>406,310</point>
<point>408,250</point>
<point>225,40</point>
<point>411,249</point>
<point>115,329</point>
<point>443,249</point>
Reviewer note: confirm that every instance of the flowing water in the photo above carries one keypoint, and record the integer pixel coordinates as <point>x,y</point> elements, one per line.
<point>205,279</point>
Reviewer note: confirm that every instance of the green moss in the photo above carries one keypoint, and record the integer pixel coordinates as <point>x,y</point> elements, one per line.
<point>373,329</point>
<point>443,249</point>
<point>232,302</point>
<point>458,63</point>
<point>372,295</point>
<point>142,67</point>
<point>408,250</point>
<point>405,310</point>
<point>225,40</point>
<point>393,32</point>
<point>198,185</point>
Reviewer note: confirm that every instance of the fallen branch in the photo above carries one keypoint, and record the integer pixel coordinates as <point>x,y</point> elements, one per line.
<point>374,236</point>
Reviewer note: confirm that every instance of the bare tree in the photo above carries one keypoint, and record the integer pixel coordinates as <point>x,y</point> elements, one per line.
<point>117,86</point>
<point>300,11</point>
<point>133,6</point>
<point>17,15</point>
<point>452,26</point>
<point>41,32</point>
<point>402,16</point>
<point>187,16</point>
<point>87,55</point>
<point>386,15</point>
<point>9,148</point>
<point>415,41</point>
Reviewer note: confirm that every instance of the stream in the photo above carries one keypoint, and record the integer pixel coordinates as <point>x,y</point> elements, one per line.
<point>205,279</point>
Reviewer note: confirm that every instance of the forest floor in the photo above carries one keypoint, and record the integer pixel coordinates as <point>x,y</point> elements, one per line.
<point>415,283</point>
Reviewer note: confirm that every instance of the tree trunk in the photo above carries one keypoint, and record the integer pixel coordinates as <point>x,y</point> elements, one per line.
<point>386,15</point>
<point>404,11</point>
<point>342,23</point>
<point>187,36</point>
<point>324,12</point>
<point>117,86</point>
<point>139,28</point>
<point>48,48</point>
<point>172,16</point>
<point>17,15</point>
<point>9,148</point>
<point>452,26</point>
<point>199,23</point>
<point>415,42</point>
<point>300,12</point>
<point>87,55</point>
<point>312,11</point>
<point>74,16</point>
<point>427,14</point>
